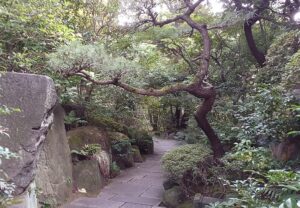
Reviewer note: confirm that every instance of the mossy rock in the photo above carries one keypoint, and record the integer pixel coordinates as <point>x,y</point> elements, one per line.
<point>121,150</point>
<point>88,135</point>
<point>86,174</point>
<point>173,197</point>
<point>116,137</point>
<point>137,157</point>
<point>108,123</point>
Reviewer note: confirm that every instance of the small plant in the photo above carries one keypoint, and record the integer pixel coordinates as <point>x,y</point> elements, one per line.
<point>71,119</point>
<point>88,150</point>
<point>114,169</point>
<point>248,157</point>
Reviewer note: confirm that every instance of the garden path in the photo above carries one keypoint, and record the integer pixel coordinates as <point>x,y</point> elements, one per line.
<point>136,187</point>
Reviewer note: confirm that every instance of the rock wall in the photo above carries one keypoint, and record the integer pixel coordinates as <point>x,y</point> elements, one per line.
<point>54,169</point>
<point>35,97</point>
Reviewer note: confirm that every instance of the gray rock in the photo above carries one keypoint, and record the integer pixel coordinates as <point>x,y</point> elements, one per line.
<point>86,174</point>
<point>173,197</point>
<point>54,169</point>
<point>35,96</point>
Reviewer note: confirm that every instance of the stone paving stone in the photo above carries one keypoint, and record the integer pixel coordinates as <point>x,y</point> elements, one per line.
<point>78,206</point>
<point>96,203</point>
<point>153,192</point>
<point>136,199</point>
<point>127,189</point>
<point>148,181</point>
<point>104,195</point>
<point>131,205</point>
<point>130,174</point>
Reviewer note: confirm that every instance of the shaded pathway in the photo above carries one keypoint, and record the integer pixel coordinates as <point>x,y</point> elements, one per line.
<point>136,187</point>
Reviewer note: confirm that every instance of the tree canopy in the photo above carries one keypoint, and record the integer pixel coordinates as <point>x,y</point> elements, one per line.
<point>230,76</point>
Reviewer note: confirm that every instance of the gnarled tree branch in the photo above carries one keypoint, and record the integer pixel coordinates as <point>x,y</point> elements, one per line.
<point>199,87</point>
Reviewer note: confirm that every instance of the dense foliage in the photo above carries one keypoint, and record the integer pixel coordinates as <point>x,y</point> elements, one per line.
<point>257,88</point>
<point>177,161</point>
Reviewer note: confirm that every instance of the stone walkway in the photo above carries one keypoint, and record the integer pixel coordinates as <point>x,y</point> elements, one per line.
<point>137,187</point>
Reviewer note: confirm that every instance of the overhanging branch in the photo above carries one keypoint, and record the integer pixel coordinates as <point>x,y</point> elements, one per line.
<point>116,81</point>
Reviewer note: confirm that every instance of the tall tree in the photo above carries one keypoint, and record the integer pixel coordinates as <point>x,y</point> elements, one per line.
<point>198,86</point>
<point>278,12</point>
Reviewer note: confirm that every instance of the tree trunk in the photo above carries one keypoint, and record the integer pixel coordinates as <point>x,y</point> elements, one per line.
<point>258,55</point>
<point>177,117</point>
<point>201,118</point>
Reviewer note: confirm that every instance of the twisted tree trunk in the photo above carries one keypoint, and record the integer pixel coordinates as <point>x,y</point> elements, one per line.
<point>199,87</point>
<point>201,118</point>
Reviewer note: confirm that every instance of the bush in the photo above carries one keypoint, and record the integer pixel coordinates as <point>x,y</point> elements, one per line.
<point>247,157</point>
<point>142,139</point>
<point>120,143</point>
<point>114,169</point>
<point>183,158</point>
<point>209,178</point>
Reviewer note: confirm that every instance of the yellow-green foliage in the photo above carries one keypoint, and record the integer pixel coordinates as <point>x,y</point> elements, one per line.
<point>179,160</point>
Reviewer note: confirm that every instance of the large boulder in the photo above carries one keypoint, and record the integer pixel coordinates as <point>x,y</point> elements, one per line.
<point>85,166</point>
<point>86,174</point>
<point>54,169</point>
<point>35,96</point>
<point>287,149</point>
<point>88,135</point>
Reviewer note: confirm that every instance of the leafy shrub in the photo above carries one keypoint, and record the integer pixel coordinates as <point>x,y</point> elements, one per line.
<point>265,116</point>
<point>247,157</point>
<point>178,161</point>
<point>142,139</point>
<point>71,119</point>
<point>114,169</point>
<point>208,177</point>
<point>120,143</point>
<point>264,182</point>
